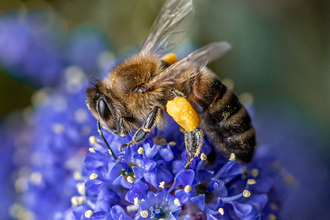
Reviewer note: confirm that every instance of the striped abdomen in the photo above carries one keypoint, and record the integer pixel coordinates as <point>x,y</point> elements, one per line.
<point>224,119</point>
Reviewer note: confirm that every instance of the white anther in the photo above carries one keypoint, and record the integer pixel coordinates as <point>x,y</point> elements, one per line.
<point>203,156</point>
<point>177,202</point>
<point>251,181</point>
<point>93,176</point>
<point>74,201</point>
<point>246,193</point>
<point>81,188</point>
<point>36,177</point>
<point>232,157</point>
<point>77,175</point>
<point>221,211</point>
<point>255,172</point>
<point>130,179</point>
<point>88,213</point>
<point>144,214</point>
<point>92,140</point>
<point>136,201</point>
<point>187,188</point>
<point>92,150</point>
<point>81,199</point>
<point>140,150</point>
<point>162,184</point>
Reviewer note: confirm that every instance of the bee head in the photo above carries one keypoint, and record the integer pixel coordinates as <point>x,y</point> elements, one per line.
<point>108,110</point>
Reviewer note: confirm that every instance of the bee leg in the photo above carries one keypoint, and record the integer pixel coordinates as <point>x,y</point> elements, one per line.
<point>144,131</point>
<point>105,141</point>
<point>194,141</point>
<point>177,93</point>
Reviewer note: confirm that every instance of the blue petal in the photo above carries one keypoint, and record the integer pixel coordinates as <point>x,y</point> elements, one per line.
<point>118,213</point>
<point>182,196</point>
<point>184,177</point>
<point>151,177</point>
<point>138,189</point>
<point>138,172</point>
<point>166,153</point>
<point>149,165</point>
<point>241,209</point>
<point>199,200</point>
<point>121,181</point>
<point>113,170</point>
<point>151,151</point>
<point>177,166</point>
<point>93,186</point>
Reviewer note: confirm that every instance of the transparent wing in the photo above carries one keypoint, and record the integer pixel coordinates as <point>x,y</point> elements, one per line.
<point>194,61</point>
<point>170,27</point>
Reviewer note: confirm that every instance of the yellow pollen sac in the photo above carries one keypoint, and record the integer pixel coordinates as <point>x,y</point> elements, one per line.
<point>246,193</point>
<point>221,211</point>
<point>183,113</point>
<point>88,213</point>
<point>169,58</point>
<point>144,214</point>
<point>93,176</point>
<point>187,188</point>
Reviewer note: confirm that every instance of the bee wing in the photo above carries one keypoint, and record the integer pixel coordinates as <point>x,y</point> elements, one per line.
<point>170,27</point>
<point>194,61</point>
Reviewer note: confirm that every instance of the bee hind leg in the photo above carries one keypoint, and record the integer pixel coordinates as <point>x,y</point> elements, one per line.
<point>142,133</point>
<point>193,141</point>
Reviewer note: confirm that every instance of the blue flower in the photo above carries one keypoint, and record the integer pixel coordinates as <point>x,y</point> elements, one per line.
<point>161,205</point>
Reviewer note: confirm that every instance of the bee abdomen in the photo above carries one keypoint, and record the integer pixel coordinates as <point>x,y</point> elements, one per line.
<point>226,121</point>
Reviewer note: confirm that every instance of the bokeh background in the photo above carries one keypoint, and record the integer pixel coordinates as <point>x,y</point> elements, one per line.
<point>280,61</point>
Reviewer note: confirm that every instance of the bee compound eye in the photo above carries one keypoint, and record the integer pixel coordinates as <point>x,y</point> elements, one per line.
<point>103,110</point>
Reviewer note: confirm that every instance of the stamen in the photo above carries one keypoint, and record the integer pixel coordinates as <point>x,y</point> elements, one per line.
<point>272,217</point>
<point>177,202</point>
<point>144,214</point>
<point>36,177</point>
<point>246,193</point>
<point>172,143</point>
<point>77,175</point>
<point>81,188</point>
<point>232,157</point>
<point>136,201</point>
<point>132,208</point>
<point>203,157</point>
<point>81,199</point>
<point>187,188</point>
<point>255,172</point>
<point>140,150</point>
<point>221,211</point>
<point>93,176</point>
<point>130,179</point>
<point>273,206</point>
<point>92,150</point>
<point>251,181</point>
<point>162,184</point>
<point>88,213</point>
<point>74,201</point>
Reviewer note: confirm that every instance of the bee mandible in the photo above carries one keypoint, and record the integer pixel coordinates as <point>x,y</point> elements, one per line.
<point>142,88</point>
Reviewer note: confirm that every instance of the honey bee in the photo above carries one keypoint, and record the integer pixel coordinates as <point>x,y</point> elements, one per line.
<point>142,88</point>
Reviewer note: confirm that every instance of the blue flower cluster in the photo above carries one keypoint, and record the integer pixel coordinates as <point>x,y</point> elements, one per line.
<point>149,181</point>
<point>35,48</point>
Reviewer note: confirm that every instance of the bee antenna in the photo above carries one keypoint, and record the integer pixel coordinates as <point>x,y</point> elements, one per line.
<point>105,141</point>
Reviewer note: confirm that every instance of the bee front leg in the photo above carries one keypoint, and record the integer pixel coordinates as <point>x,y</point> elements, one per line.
<point>194,141</point>
<point>143,132</point>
